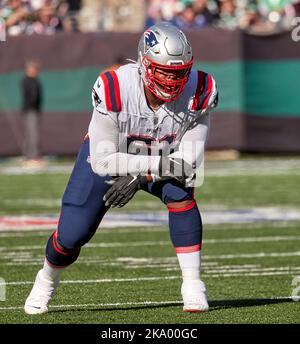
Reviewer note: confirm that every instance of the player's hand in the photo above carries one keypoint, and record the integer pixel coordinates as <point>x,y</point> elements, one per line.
<point>123,189</point>
<point>176,168</point>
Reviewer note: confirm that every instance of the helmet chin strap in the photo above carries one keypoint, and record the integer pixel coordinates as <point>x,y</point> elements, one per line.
<point>165,96</point>
<point>154,101</point>
<point>161,94</point>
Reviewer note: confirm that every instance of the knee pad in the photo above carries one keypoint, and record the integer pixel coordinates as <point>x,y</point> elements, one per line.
<point>58,256</point>
<point>185,226</point>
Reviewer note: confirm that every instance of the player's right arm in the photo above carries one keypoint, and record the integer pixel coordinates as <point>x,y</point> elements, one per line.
<point>105,137</point>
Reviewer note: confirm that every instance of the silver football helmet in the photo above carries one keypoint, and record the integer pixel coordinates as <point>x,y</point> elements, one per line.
<point>165,58</point>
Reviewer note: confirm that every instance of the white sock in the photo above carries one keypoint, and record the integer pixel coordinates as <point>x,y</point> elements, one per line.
<point>51,271</point>
<point>190,264</point>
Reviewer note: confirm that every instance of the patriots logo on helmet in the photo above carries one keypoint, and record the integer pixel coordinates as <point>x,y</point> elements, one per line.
<point>150,40</point>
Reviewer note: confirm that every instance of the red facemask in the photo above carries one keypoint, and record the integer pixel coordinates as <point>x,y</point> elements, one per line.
<point>166,82</point>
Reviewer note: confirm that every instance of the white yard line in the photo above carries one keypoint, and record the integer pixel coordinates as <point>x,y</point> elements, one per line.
<point>103,280</point>
<point>102,231</point>
<point>247,167</point>
<point>158,218</point>
<point>206,273</point>
<point>252,239</point>
<point>259,270</point>
<point>52,169</point>
<point>253,255</point>
<point>40,202</point>
<point>87,305</point>
<point>120,304</point>
<point>254,172</point>
<point>91,245</point>
<point>252,167</point>
<point>161,243</point>
<point>252,274</point>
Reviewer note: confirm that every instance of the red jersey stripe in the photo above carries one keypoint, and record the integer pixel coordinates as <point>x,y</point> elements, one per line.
<point>117,90</point>
<point>199,89</point>
<point>208,91</point>
<point>107,93</point>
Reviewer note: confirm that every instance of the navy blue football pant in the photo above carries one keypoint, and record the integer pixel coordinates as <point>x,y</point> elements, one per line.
<point>83,209</point>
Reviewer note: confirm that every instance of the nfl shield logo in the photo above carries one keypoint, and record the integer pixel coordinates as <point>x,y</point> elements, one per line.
<point>150,40</point>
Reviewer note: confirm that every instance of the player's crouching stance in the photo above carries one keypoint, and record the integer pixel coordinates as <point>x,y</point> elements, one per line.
<point>139,110</point>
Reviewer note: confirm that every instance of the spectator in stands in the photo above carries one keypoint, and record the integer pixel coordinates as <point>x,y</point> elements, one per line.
<point>15,13</point>
<point>154,13</point>
<point>69,12</point>
<point>250,18</point>
<point>228,14</point>
<point>50,16</point>
<point>162,10</point>
<point>256,20</point>
<point>209,10</point>
<point>74,5</point>
<point>47,22</point>
<point>31,90</point>
<point>192,19</point>
<point>39,16</point>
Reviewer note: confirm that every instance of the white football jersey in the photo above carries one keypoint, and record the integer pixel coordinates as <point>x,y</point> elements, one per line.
<point>120,106</point>
<point>121,94</point>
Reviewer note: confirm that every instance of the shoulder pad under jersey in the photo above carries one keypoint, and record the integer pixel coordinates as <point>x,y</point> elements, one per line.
<point>106,93</point>
<point>206,95</point>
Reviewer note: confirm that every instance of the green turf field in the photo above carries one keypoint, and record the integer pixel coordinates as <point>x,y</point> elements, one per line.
<point>131,275</point>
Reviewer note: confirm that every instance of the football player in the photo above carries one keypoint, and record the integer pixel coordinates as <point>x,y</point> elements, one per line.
<point>148,122</point>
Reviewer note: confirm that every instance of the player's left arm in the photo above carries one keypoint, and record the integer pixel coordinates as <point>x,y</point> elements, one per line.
<point>192,145</point>
<point>190,153</point>
<point>188,157</point>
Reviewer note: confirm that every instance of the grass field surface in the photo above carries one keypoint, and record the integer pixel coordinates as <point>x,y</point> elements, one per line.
<point>130,275</point>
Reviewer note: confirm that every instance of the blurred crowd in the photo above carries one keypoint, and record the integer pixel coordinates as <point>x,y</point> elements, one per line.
<point>51,16</point>
<point>38,16</point>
